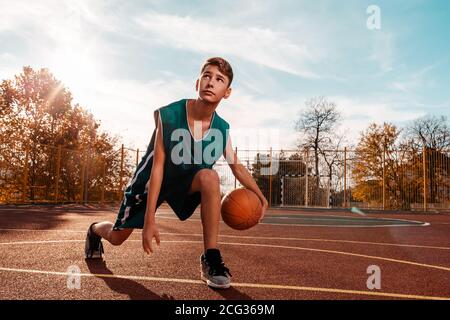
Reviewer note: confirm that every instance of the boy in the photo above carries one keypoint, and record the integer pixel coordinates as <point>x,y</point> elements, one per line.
<point>175,172</point>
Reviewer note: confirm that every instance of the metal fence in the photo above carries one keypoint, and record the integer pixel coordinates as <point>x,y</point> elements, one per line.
<point>49,174</point>
<point>382,179</point>
<point>393,179</point>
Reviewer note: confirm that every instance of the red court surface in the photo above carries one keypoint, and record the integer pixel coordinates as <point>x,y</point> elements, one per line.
<point>293,254</point>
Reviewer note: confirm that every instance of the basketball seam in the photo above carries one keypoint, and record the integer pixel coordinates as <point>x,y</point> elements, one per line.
<point>251,206</point>
<point>238,204</point>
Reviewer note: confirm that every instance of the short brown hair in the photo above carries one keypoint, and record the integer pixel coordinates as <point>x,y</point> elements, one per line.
<point>222,65</point>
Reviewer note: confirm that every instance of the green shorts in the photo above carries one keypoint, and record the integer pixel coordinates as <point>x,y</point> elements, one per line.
<point>132,210</point>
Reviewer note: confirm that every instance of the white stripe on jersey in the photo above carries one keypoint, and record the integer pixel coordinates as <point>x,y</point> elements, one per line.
<point>133,181</point>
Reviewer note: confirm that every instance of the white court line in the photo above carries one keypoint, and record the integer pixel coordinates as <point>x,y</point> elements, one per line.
<point>258,245</point>
<point>255,238</point>
<point>44,230</point>
<point>237,284</point>
<point>315,215</point>
<point>422,224</point>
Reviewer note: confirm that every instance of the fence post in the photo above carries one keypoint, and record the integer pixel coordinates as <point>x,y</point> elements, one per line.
<point>102,199</point>
<point>83,169</point>
<point>328,193</point>
<point>345,177</point>
<point>58,166</point>
<point>384,177</point>
<point>86,179</point>
<point>424,160</point>
<point>25,175</point>
<point>307,177</point>
<point>121,171</point>
<point>270,180</point>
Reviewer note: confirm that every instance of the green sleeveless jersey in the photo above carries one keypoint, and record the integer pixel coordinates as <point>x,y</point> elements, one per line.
<point>184,154</point>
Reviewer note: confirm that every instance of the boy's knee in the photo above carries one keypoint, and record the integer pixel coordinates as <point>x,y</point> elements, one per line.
<point>116,239</point>
<point>208,178</point>
<point>117,242</point>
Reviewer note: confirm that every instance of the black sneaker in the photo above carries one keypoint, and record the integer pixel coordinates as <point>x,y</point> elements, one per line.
<point>93,247</point>
<point>213,270</point>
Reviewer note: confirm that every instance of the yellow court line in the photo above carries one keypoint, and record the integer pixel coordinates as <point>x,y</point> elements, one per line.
<point>248,285</point>
<point>330,290</point>
<point>343,253</point>
<point>259,245</point>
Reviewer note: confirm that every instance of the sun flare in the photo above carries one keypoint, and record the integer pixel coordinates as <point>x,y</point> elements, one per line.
<point>77,70</point>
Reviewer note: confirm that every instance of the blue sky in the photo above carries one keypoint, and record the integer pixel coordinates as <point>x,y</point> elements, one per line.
<point>123,59</point>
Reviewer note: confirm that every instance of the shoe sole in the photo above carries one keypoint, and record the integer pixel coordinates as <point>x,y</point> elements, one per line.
<point>215,285</point>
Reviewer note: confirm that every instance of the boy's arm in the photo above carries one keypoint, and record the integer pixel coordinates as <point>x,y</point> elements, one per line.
<point>243,176</point>
<point>154,187</point>
<point>156,175</point>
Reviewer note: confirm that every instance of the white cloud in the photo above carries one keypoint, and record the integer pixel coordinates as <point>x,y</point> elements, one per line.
<point>413,81</point>
<point>54,17</point>
<point>125,107</point>
<point>6,57</point>
<point>263,46</point>
<point>271,120</point>
<point>358,114</point>
<point>8,65</point>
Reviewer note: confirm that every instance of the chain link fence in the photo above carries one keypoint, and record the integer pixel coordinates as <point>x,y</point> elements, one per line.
<point>394,179</point>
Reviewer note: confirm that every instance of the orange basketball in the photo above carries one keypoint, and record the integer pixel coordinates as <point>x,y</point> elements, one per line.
<point>241,209</point>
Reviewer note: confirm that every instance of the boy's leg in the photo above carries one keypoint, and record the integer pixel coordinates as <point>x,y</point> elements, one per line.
<point>93,247</point>
<point>206,181</point>
<point>115,237</point>
<point>212,268</point>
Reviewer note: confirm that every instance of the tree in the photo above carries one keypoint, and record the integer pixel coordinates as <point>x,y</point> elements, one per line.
<point>37,116</point>
<point>316,125</point>
<point>332,155</point>
<point>430,135</point>
<point>376,151</point>
<point>429,131</point>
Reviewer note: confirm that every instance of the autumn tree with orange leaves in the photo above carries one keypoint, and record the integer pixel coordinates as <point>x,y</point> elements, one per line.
<point>374,162</point>
<point>37,116</point>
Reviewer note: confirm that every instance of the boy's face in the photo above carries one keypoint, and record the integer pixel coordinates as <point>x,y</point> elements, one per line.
<point>212,85</point>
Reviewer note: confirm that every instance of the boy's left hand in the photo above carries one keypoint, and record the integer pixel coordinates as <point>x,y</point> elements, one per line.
<point>265,205</point>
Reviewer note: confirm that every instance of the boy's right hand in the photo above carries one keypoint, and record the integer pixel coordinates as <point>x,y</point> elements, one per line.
<point>149,232</point>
